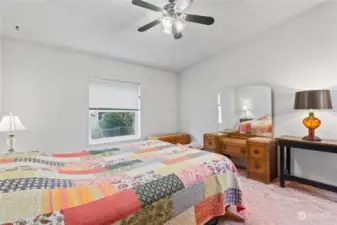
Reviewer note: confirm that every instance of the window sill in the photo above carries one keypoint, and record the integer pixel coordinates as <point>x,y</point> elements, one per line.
<point>113,140</point>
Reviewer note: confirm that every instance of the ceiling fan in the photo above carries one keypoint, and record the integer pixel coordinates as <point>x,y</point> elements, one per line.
<point>174,19</point>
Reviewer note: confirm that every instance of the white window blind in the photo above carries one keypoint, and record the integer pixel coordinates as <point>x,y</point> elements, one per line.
<point>219,109</point>
<point>113,95</point>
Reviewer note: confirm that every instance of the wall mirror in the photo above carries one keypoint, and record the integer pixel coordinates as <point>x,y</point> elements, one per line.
<point>246,110</point>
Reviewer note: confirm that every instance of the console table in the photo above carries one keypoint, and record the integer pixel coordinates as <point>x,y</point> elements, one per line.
<point>287,142</point>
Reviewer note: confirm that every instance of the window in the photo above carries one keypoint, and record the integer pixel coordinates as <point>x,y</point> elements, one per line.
<point>114,111</point>
<point>219,109</point>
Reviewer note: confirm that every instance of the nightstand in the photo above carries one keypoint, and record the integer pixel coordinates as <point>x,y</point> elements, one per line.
<point>173,138</point>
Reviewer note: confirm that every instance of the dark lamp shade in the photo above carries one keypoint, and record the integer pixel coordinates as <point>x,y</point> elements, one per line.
<point>316,99</point>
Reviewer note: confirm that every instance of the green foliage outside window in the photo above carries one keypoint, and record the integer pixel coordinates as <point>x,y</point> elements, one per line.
<point>117,123</point>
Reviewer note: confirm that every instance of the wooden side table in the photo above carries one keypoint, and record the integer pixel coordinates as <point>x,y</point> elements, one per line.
<point>286,143</point>
<point>173,138</point>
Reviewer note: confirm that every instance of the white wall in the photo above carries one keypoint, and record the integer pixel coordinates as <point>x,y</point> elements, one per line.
<point>257,100</point>
<point>228,109</point>
<point>299,54</point>
<point>48,89</point>
<point>1,69</point>
<point>1,58</point>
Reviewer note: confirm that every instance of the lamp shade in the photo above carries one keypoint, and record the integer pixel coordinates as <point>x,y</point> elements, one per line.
<point>11,123</point>
<point>314,99</point>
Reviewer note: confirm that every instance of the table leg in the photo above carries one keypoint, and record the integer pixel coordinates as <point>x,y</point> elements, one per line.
<point>288,158</point>
<point>282,165</point>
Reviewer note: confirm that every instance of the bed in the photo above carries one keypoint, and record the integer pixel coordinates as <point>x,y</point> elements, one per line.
<point>149,182</point>
<point>262,127</point>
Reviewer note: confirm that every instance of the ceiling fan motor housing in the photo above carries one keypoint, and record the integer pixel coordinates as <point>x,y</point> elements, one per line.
<point>169,10</point>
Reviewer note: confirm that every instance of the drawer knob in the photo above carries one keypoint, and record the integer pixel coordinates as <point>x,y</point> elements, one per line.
<point>224,147</point>
<point>243,150</point>
<point>210,143</point>
<point>256,151</point>
<point>257,166</point>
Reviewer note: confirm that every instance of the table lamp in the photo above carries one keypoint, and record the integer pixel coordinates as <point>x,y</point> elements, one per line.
<point>10,123</point>
<point>315,99</point>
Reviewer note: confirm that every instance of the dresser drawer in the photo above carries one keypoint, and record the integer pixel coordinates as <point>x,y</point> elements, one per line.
<point>210,142</point>
<point>237,151</point>
<point>256,151</point>
<point>257,165</point>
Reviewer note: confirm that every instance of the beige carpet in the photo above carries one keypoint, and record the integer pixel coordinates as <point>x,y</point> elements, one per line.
<point>294,205</point>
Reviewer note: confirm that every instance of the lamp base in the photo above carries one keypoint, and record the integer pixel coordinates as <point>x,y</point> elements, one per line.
<point>312,138</point>
<point>312,123</point>
<point>11,141</point>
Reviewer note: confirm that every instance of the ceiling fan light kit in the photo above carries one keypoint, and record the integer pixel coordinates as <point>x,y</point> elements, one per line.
<point>173,20</point>
<point>168,22</point>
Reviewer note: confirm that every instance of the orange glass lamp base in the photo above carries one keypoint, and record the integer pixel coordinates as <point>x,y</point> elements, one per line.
<point>312,123</point>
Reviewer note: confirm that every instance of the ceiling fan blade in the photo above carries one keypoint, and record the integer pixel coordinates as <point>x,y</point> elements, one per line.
<point>146,5</point>
<point>205,20</point>
<point>176,34</point>
<point>149,25</point>
<point>182,5</point>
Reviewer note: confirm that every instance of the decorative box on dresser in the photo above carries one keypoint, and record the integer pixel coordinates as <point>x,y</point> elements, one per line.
<point>262,159</point>
<point>183,139</point>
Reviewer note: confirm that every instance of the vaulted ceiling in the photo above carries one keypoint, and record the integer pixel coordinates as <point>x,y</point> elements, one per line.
<point>109,27</point>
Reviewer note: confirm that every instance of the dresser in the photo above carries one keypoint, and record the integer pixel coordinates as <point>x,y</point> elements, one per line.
<point>182,138</point>
<point>259,152</point>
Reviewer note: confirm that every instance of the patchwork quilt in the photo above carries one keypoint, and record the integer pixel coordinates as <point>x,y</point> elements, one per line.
<point>148,182</point>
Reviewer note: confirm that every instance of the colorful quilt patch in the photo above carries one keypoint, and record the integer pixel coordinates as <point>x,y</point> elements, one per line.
<point>188,217</point>
<point>190,176</point>
<point>215,184</point>
<point>22,184</point>
<point>89,171</point>
<point>71,155</point>
<point>55,218</point>
<point>20,205</point>
<point>176,160</point>
<point>155,214</point>
<point>40,161</point>
<point>233,196</point>
<point>104,211</point>
<point>218,166</point>
<point>104,151</point>
<point>130,182</point>
<point>188,197</point>
<point>6,160</point>
<point>155,190</point>
<point>209,208</point>
<point>122,164</point>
